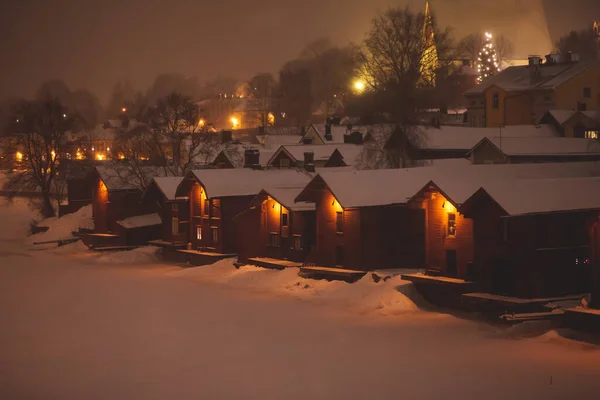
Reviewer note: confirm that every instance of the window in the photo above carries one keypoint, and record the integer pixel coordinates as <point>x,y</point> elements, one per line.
<point>198,233</point>
<point>451,224</point>
<point>581,106</point>
<point>284,162</point>
<point>175,225</point>
<point>297,243</point>
<point>591,134</point>
<point>215,234</point>
<point>587,92</point>
<point>496,100</point>
<point>274,240</point>
<point>174,207</point>
<point>206,207</point>
<point>339,221</point>
<point>284,219</point>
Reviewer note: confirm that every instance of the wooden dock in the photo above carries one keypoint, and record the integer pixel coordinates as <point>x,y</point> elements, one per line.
<point>497,304</point>
<point>442,291</point>
<point>199,258</point>
<point>273,263</point>
<point>331,274</point>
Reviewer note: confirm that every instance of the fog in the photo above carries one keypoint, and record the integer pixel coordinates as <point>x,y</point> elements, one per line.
<point>93,44</point>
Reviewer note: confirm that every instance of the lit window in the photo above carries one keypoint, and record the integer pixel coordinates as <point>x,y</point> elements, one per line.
<point>284,220</point>
<point>451,224</point>
<point>496,100</point>
<point>339,221</point>
<point>591,134</point>
<point>175,225</point>
<point>198,233</point>
<point>284,163</point>
<point>174,207</point>
<point>215,235</point>
<point>274,240</point>
<point>297,243</point>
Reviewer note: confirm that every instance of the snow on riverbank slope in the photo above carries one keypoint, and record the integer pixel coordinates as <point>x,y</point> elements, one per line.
<point>390,297</point>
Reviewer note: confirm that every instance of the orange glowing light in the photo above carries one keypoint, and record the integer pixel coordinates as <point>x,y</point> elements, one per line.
<point>100,157</point>
<point>79,155</point>
<point>449,207</point>
<point>235,122</point>
<point>123,109</point>
<point>19,156</point>
<point>201,122</point>
<point>336,205</point>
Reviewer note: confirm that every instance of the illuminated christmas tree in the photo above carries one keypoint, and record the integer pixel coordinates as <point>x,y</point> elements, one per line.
<point>487,62</point>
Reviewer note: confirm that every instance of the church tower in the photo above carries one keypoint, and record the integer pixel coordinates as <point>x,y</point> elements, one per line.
<point>429,59</point>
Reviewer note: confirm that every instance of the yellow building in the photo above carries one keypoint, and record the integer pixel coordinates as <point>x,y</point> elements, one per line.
<point>522,95</point>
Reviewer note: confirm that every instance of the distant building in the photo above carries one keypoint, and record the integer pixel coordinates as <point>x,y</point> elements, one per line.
<point>521,95</point>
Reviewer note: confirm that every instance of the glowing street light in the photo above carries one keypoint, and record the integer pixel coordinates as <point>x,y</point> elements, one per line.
<point>124,109</point>
<point>359,86</point>
<point>235,123</point>
<point>201,122</point>
<point>19,156</point>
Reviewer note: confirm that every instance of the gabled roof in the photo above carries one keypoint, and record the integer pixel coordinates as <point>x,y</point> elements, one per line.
<point>286,195</point>
<point>120,177</point>
<point>274,141</point>
<point>244,181</point>
<point>536,196</point>
<point>518,78</point>
<point>512,146</point>
<point>168,185</point>
<point>459,179</point>
<point>337,133</point>
<point>465,138</point>
<point>562,116</point>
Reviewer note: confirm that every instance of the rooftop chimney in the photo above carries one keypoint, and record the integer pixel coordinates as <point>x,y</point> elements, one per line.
<point>552,59</point>
<point>535,73</point>
<point>328,136</point>
<point>309,161</point>
<point>251,158</point>
<point>353,138</point>
<point>226,136</point>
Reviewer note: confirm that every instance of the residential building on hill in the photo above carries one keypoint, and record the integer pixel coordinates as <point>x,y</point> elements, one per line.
<point>521,95</point>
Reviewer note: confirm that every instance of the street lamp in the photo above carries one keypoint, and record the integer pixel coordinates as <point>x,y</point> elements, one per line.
<point>359,86</point>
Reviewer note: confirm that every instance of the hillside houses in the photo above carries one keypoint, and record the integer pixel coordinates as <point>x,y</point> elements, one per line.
<point>522,95</point>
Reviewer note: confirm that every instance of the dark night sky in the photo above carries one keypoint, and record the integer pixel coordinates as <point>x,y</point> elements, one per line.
<point>92,43</point>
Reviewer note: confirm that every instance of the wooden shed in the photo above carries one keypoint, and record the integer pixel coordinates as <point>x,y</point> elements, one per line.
<point>217,196</point>
<point>533,238</point>
<point>274,228</point>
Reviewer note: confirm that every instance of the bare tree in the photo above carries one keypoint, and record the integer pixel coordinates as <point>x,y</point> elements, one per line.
<point>171,136</point>
<point>399,62</point>
<point>37,139</point>
<point>261,90</point>
<point>584,43</point>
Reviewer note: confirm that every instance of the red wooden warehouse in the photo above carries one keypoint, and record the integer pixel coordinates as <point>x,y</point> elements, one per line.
<point>532,237</point>
<point>274,228</point>
<point>216,196</point>
<point>362,220</point>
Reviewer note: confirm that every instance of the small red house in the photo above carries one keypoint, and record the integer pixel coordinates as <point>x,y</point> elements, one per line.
<point>79,178</point>
<point>362,220</point>
<point>275,227</point>
<point>216,196</point>
<point>533,238</point>
<point>159,198</point>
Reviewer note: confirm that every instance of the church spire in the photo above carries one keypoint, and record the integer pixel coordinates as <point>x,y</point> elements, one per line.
<point>429,59</point>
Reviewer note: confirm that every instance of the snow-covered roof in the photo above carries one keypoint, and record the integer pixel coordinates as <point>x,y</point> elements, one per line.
<point>459,179</point>
<point>518,78</point>
<point>120,177</point>
<point>351,153</point>
<point>512,146</point>
<point>286,196</point>
<point>140,221</point>
<point>274,141</point>
<point>168,185</point>
<point>465,138</point>
<point>532,196</point>
<point>244,181</point>
<point>337,133</point>
<point>561,116</point>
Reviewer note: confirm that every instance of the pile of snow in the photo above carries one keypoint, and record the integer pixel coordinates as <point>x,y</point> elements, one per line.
<point>385,297</point>
<point>62,228</point>
<point>141,255</point>
<point>140,221</point>
<point>16,218</point>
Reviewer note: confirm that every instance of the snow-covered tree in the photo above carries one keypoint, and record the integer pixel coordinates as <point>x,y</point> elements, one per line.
<point>487,62</point>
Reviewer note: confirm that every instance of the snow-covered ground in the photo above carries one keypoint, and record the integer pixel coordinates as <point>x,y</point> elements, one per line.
<point>82,325</point>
